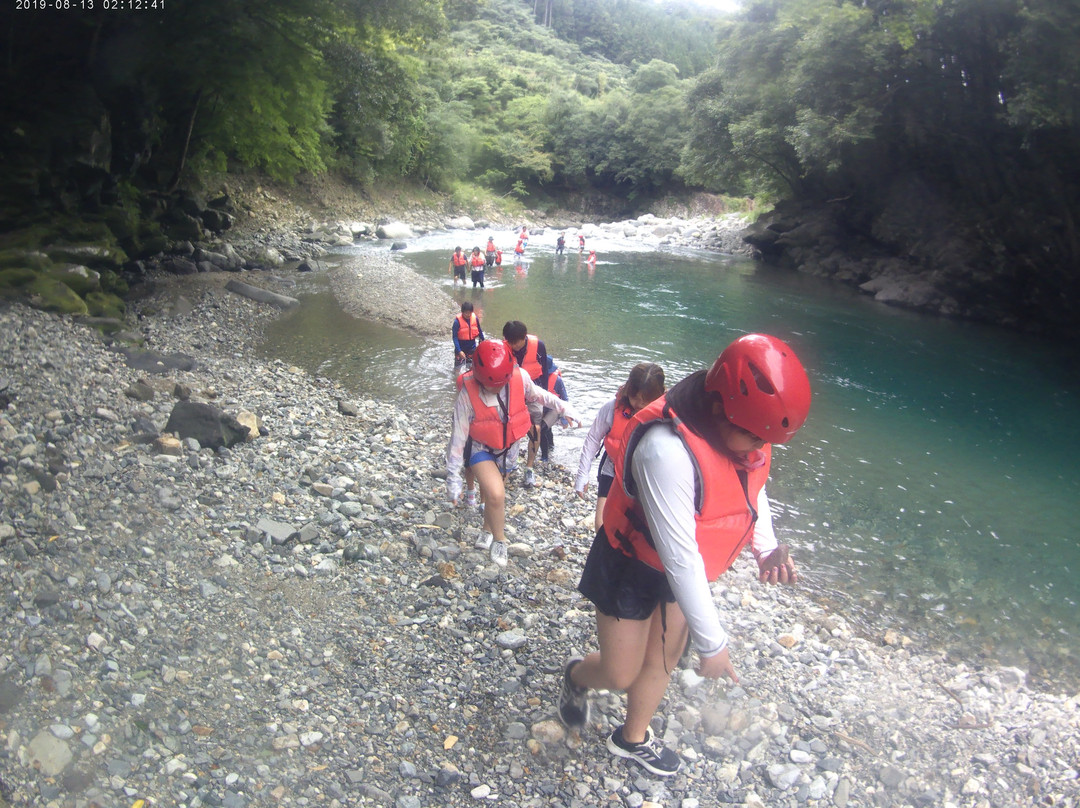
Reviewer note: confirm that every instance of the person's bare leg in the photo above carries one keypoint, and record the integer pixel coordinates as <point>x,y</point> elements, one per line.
<point>598,520</point>
<point>534,442</point>
<point>636,656</point>
<point>492,491</point>
<point>661,657</point>
<point>620,658</point>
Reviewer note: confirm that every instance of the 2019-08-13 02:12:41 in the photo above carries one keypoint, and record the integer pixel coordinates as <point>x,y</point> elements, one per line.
<point>89,5</point>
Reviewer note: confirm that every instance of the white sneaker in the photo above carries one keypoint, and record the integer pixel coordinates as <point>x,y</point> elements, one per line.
<point>484,541</point>
<point>498,553</point>
<point>530,478</point>
<point>470,499</point>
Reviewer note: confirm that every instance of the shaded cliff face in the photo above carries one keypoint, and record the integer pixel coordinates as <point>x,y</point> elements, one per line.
<point>910,246</point>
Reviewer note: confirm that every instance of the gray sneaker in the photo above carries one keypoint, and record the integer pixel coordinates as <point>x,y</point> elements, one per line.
<point>484,541</point>
<point>498,553</point>
<point>530,478</point>
<point>573,700</point>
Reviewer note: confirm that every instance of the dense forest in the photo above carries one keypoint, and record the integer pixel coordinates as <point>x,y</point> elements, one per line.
<point>937,139</point>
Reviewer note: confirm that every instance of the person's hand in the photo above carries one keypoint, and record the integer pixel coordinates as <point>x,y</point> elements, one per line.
<point>570,422</point>
<point>583,491</point>
<point>777,567</point>
<point>461,355</point>
<point>716,667</point>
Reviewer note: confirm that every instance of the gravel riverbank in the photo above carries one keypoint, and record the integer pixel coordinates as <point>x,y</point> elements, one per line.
<point>300,619</point>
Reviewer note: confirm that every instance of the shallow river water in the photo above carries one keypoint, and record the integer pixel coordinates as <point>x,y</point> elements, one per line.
<point>932,489</point>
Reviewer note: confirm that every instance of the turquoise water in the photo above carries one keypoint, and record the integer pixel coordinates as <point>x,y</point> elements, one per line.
<point>931,489</point>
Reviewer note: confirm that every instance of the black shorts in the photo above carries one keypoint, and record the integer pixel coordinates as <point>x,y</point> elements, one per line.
<point>603,484</point>
<point>459,272</point>
<point>620,586</point>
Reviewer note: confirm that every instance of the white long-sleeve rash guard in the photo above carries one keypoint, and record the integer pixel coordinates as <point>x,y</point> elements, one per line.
<point>463,414</point>
<point>664,472</point>
<point>602,423</point>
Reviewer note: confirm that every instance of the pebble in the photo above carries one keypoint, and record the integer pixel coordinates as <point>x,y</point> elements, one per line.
<point>302,620</point>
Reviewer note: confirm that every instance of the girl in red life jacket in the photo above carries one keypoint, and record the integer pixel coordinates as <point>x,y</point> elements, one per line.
<point>689,494</point>
<point>490,420</point>
<point>590,262</point>
<point>644,385</point>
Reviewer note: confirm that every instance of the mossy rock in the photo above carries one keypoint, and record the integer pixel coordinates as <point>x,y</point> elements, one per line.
<point>29,238</point>
<point>113,283</point>
<point>29,259</point>
<point>15,281</point>
<point>50,294</point>
<point>74,230</point>
<point>103,304</point>
<point>81,280</point>
<point>154,245</point>
<point>182,227</point>
<point>123,223</point>
<point>101,255</point>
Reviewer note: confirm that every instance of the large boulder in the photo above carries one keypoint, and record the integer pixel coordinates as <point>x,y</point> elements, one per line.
<point>394,230</point>
<point>205,423</point>
<point>216,221</point>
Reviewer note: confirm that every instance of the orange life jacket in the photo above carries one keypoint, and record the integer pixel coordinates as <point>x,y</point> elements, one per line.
<point>531,360</point>
<point>488,426</point>
<point>477,261</point>
<point>459,259</point>
<point>725,497</point>
<point>553,379</point>
<point>491,245</point>
<point>467,329</point>
<point>615,439</point>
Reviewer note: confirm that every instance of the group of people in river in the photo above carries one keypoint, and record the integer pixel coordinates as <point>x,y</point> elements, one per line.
<point>680,493</point>
<point>462,262</point>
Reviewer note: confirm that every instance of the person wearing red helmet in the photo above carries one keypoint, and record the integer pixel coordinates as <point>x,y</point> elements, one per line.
<point>491,418</point>
<point>689,494</point>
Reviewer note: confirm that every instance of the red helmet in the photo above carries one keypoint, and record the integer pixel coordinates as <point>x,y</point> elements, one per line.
<point>493,363</point>
<point>763,385</point>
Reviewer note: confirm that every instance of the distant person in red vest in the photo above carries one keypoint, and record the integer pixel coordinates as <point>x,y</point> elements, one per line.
<point>581,242</point>
<point>477,263</point>
<point>458,262</point>
<point>491,417</point>
<point>689,494</point>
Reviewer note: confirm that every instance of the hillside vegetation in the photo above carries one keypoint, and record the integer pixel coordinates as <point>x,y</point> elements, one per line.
<point>932,137</point>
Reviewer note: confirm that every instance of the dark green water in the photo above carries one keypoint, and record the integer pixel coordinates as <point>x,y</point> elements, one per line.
<point>932,488</point>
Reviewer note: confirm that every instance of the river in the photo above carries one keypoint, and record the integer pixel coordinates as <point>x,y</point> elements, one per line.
<point>931,489</point>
